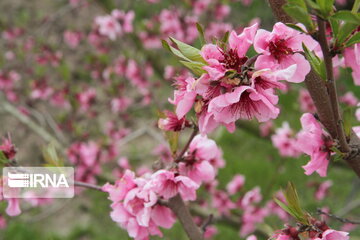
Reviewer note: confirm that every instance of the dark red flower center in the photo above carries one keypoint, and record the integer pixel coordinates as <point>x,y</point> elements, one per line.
<point>246,105</point>
<point>278,49</point>
<point>232,60</point>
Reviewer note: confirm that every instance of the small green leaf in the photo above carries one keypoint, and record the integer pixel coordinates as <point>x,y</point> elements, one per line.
<point>312,4</point>
<point>293,202</point>
<point>195,67</point>
<point>347,16</point>
<point>326,7</point>
<point>356,6</point>
<point>173,140</point>
<point>300,3</point>
<point>334,26</point>
<point>201,34</point>
<point>347,119</point>
<point>174,50</point>
<point>353,40</point>
<point>299,14</point>
<point>224,40</point>
<point>189,51</point>
<point>344,32</point>
<point>3,159</point>
<point>317,64</point>
<point>296,27</point>
<point>51,157</point>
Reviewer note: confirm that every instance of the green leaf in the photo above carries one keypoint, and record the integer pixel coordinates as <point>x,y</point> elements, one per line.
<point>347,16</point>
<point>224,40</point>
<point>188,51</point>
<point>347,119</point>
<point>299,14</point>
<point>353,40</point>
<point>173,139</point>
<point>334,26</point>
<point>195,67</point>
<point>201,34</point>
<point>296,27</point>
<point>312,5</point>
<point>300,3</point>
<point>51,157</point>
<point>285,208</point>
<point>326,7</point>
<point>344,32</point>
<point>3,159</point>
<point>174,50</point>
<point>317,64</point>
<point>293,202</point>
<point>356,6</point>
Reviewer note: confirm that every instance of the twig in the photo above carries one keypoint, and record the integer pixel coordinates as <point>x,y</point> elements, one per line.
<point>183,151</point>
<point>31,124</point>
<point>207,223</point>
<point>88,185</point>
<point>331,86</point>
<point>178,206</point>
<point>343,220</point>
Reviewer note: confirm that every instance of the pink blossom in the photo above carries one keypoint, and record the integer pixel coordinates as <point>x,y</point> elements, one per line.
<point>172,123</point>
<point>41,90</point>
<point>331,234</point>
<point>236,184</point>
<point>313,141</point>
<point>167,185</point>
<point>120,104</point>
<point>13,207</point>
<point>201,159</point>
<point>349,99</point>
<point>251,197</point>
<point>306,102</point>
<point>243,103</point>
<point>222,202</point>
<point>266,128</point>
<point>221,11</point>
<point>108,26</point>
<point>323,189</point>
<point>8,148</point>
<point>285,141</point>
<point>251,237</point>
<point>184,96</point>
<point>280,48</point>
<point>352,60</point>
<point>164,153</point>
<point>72,38</point>
<point>2,222</point>
<point>252,216</point>
<point>86,98</point>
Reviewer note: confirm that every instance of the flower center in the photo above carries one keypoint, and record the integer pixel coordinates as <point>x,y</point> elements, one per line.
<point>278,49</point>
<point>232,60</point>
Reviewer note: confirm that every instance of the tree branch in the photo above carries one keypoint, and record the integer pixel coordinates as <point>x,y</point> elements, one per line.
<point>331,86</point>
<point>178,206</point>
<point>320,96</point>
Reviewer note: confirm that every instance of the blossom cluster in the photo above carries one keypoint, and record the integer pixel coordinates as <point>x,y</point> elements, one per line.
<point>234,86</point>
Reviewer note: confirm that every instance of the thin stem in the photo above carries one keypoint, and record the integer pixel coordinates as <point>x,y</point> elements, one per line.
<point>185,148</point>
<point>331,86</point>
<point>88,185</point>
<point>343,220</point>
<point>31,124</point>
<point>178,206</point>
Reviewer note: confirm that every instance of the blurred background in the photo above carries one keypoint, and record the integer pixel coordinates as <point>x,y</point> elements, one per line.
<point>102,92</point>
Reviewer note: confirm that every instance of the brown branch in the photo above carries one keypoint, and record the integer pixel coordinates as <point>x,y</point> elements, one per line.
<point>185,148</point>
<point>343,220</point>
<point>320,96</point>
<point>178,206</point>
<point>88,185</point>
<point>331,86</point>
